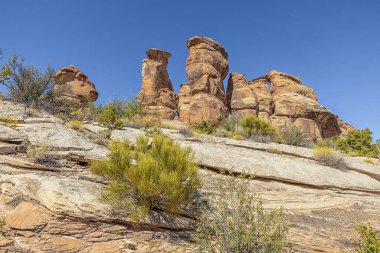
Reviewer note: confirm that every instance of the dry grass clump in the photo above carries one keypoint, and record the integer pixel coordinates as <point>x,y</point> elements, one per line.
<point>9,120</point>
<point>102,137</point>
<point>370,161</point>
<point>330,157</point>
<point>76,125</point>
<point>236,221</point>
<point>41,155</point>
<point>158,174</point>
<point>295,137</point>
<point>185,131</point>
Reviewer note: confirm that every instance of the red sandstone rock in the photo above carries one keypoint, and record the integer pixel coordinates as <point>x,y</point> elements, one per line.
<point>206,67</point>
<point>157,92</point>
<point>73,84</point>
<point>241,99</point>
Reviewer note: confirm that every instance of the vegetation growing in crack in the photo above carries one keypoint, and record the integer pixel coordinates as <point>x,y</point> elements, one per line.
<point>329,157</point>
<point>237,222</point>
<point>158,174</point>
<point>369,241</point>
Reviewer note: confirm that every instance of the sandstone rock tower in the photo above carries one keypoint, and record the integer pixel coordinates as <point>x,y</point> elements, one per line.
<point>206,68</point>
<point>73,85</point>
<point>157,93</point>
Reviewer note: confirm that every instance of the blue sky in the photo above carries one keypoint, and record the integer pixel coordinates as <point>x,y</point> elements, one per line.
<point>332,45</point>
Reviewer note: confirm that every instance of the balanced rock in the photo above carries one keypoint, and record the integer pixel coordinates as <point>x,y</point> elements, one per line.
<point>241,100</point>
<point>157,93</point>
<point>206,67</point>
<point>72,84</point>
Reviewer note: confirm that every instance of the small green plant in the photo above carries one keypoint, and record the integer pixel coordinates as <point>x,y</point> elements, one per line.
<point>359,143</point>
<point>238,137</point>
<point>76,125</point>
<point>369,242</point>
<point>110,118</point>
<point>253,125</point>
<point>235,221</point>
<point>204,127</point>
<point>9,120</point>
<point>157,174</point>
<point>329,157</point>
<point>295,137</point>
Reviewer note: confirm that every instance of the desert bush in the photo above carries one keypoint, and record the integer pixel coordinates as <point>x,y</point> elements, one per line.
<point>132,109</point>
<point>328,142</point>
<point>40,154</point>
<point>238,137</point>
<point>329,157</point>
<point>185,131</point>
<point>109,117</point>
<point>258,137</point>
<point>229,125</point>
<point>9,120</point>
<point>359,143</point>
<point>102,137</point>
<point>76,125</point>
<point>157,174</point>
<point>295,137</point>
<point>90,112</point>
<point>368,242</point>
<point>253,125</point>
<point>236,221</point>
<point>204,127</point>
<point>27,84</point>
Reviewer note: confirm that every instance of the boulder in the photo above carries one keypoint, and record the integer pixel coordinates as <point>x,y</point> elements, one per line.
<point>241,99</point>
<point>157,93</point>
<point>73,85</point>
<point>206,67</point>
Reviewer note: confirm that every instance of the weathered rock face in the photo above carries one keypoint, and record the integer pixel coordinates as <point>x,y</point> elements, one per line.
<point>241,100</point>
<point>206,67</point>
<point>284,83</point>
<point>184,99</point>
<point>259,87</point>
<point>73,84</point>
<point>157,92</point>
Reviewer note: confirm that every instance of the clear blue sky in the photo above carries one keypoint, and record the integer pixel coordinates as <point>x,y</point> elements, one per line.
<point>333,45</point>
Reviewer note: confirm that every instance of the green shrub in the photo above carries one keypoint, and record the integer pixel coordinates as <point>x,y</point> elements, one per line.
<point>155,175</point>
<point>329,157</point>
<point>237,222</point>
<point>90,112</point>
<point>253,125</point>
<point>204,127</point>
<point>359,143</point>
<point>369,242</point>
<point>27,84</point>
<point>231,125</point>
<point>133,109</point>
<point>110,118</point>
<point>295,137</point>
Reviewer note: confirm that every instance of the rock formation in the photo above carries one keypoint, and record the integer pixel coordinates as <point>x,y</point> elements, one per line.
<point>157,93</point>
<point>241,100</point>
<point>294,101</point>
<point>206,68</point>
<point>260,88</point>
<point>73,85</point>
<point>184,99</point>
